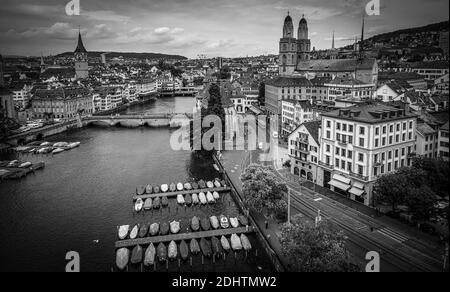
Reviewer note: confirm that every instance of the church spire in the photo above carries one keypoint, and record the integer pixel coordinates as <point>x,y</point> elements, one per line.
<point>80,47</point>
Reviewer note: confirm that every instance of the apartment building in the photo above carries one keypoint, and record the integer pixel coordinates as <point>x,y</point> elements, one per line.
<point>443,140</point>
<point>360,143</point>
<point>426,141</point>
<point>303,147</point>
<point>348,88</point>
<point>295,113</point>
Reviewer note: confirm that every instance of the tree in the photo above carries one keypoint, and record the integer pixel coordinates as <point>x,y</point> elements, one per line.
<point>311,248</point>
<point>262,190</point>
<point>391,189</point>
<point>421,202</point>
<point>436,174</point>
<point>262,93</point>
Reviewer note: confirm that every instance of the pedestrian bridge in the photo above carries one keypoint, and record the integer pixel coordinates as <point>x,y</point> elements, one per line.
<point>139,120</point>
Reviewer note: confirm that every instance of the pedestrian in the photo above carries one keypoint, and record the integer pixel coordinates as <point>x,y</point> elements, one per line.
<point>267,224</point>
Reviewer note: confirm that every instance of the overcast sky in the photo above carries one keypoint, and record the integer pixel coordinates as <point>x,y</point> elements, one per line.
<point>227,28</point>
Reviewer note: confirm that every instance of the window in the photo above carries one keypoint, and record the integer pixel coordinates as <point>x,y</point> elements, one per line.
<point>328,124</point>
<point>328,134</point>
<point>390,140</point>
<point>350,128</point>
<point>361,142</point>
<point>361,157</point>
<point>327,148</point>
<point>349,166</point>
<point>396,153</point>
<point>349,154</point>
<point>362,130</point>
<point>337,150</point>
<point>376,142</point>
<point>383,141</point>
<point>337,163</point>
<point>360,170</point>
<point>390,155</point>
<point>338,126</point>
<point>377,131</point>
<point>384,129</point>
<point>343,152</point>
<point>344,127</point>
<point>338,137</point>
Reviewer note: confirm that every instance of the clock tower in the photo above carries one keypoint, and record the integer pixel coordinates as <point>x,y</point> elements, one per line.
<point>81,60</point>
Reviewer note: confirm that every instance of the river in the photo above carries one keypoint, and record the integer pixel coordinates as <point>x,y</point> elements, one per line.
<point>78,200</point>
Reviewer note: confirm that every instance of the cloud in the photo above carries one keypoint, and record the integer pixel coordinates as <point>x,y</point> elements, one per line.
<point>59,30</point>
<point>104,15</point>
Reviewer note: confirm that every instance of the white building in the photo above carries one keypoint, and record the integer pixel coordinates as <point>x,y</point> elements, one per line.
<point>426,141</point>
<point>295,113</point>
<point>349,89</point>
<point>304,147</point>
<point>21,95</point>
<point>443,140</point>
<point>107,98</point>
<point>360,143</point>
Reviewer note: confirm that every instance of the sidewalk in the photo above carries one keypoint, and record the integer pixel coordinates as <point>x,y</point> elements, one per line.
<point>234,162</point>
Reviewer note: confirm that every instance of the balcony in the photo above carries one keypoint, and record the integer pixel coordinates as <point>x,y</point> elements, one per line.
<point>304,151</point>
<point>377,163</point>
<point>359,176</point>
<point>342,142</point>
<point>329,166</point>
<point>411,155</point>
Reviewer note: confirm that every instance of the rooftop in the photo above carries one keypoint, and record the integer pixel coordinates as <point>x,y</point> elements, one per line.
<point>337,65</point>
<point>289,82</point>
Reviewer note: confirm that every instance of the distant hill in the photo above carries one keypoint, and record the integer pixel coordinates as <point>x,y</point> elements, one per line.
<point>428,28</point>
<point>143,56</point>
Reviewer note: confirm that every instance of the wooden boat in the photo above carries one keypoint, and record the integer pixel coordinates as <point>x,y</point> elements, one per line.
<point>143,231</point>
<point>136,255</point>
<point>243,220</point>
<point>140,190</point>
<point>205,224</point>
<point>195,224</point>
<point>236,242</point>
<point>245,242</point>
<point>134,232</point>
<point>58,150</point>
<point>205,246</point>
<point>60,144</point>
<point>25,165</point>
<point>164,188</point>
<point>216,167</point>
<point>194,185</point>
<point>156,190</point>
<point>123,231</point>
<point>161,251</point>
<point>216,195</point>
<point>154,229</point>
<point>122,258</point>
<point>188,200</point>
<point>149,257</point>
<point>164,228</point>
<point>45,144</point>
<point>173,187</point>
<point>210,198</point>
<point>173,250</point>
<point>138,205</point>
<point>165,201</point>
<point>156,203</point>
<point>234,222</point>
<point>174,227</point>
<point>184,250</point>
<point>45,150</point>
<point>195,247</point>
<point>214,222</point>
<point>202,198</point>
<point>210,184</point>
<point>216,245</point>
<point>195,199</point>
<point>180,186</point>
<point>224,223</point>
<point>187,186</point>
<point>74,145</point>
<point>148,205</point>
<point>149,189</point>
<point>217,183</point>
<point>180,199</point>
<point>225,243</point>
<point>202,184</point>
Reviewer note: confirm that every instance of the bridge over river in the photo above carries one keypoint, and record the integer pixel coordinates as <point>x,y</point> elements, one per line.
<point>139,120</point>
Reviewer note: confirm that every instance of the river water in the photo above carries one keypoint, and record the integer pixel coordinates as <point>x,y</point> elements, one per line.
<point>79,199</point>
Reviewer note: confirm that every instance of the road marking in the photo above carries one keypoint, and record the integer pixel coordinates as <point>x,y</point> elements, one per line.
<point>393,235</point>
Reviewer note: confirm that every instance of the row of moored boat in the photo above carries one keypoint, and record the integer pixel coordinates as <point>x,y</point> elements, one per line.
<point>47,147</point>
<point>183,200</point>
<point>195,224</point>
<point>162,253</point>
<point>164,188</point>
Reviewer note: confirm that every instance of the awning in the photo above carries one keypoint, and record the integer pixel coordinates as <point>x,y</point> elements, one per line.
<point>339,185</point>
<point>341,179</point>
<point>356,192</point>
<point>358,185</point>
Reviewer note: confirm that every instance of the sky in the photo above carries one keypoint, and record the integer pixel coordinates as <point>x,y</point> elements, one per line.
<point>227,28</point>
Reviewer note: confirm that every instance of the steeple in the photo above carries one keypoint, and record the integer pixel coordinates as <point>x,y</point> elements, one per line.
<point>288,27</point>
<point>80,47</point>
<point>332,44</point>
<point>361,44</point>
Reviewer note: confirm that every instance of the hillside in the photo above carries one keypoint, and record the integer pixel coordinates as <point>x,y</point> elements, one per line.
<point>428,28</point>
<point>143,56</point>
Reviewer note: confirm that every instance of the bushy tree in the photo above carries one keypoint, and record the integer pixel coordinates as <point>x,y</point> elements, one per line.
<point>262,190</point>
<point>421,203</point>
<point>312,248</point>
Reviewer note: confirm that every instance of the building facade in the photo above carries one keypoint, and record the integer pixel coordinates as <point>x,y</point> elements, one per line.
<point>295,113</point>
<point>443,140</point>
<point>360,143</point>
<point>61,103</point>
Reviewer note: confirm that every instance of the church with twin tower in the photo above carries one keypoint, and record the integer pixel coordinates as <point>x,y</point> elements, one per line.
<point>293,50</point>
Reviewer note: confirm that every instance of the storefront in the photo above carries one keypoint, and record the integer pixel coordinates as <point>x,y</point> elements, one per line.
<point>357,192</point>
<point>340,184</point>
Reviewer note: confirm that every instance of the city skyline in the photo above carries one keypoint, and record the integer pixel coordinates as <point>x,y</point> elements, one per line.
<point>194,27</point>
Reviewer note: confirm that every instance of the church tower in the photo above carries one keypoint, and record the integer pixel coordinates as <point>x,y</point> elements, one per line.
<point>81,60</point>
<point>304,43</point>
<point>288,48</point>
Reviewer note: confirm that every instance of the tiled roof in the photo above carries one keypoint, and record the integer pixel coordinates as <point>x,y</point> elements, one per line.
<point>313,128</point>
<point>289,82</point>
<point>431,65</point>
<point>347,81</point>
<point>337,65</point>
<point>370,112</point>
<point>61,93</point>
<point>425,129</point>
<point>445,127</point>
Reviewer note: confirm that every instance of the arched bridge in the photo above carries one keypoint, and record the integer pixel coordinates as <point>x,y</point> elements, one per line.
<point>139,120</point>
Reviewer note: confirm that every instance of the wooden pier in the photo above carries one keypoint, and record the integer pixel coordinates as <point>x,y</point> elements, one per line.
<point>184,192</point>
<point>183,236</point>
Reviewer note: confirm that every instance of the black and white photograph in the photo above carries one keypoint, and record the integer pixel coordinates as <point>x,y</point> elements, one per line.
<point>237,137</point>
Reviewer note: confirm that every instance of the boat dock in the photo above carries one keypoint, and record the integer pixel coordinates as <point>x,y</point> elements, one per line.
<point>183,236</point>
<point>17,173</point>
<point>184,192</point>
